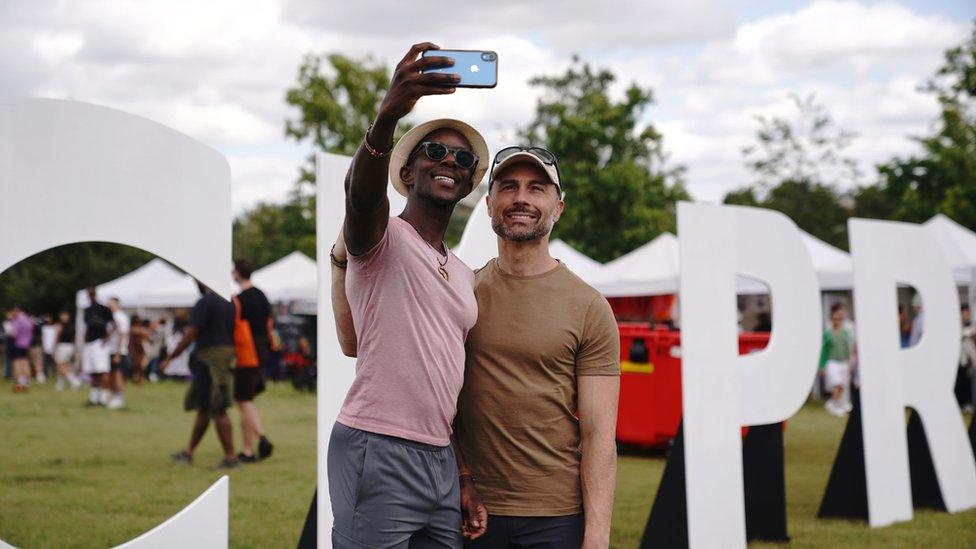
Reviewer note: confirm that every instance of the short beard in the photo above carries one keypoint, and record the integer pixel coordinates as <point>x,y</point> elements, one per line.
<point>535,233</point>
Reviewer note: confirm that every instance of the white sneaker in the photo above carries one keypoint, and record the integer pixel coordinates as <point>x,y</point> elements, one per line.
<point>153,378</point>
<point>75,383</point>
<point>833,408</point>
<point>41,378</point>
<point>59,385</point>
<point>848,408</point>
<point>115,402</point>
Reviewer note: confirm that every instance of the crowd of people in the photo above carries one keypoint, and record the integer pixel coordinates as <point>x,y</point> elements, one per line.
<point>228,350</point>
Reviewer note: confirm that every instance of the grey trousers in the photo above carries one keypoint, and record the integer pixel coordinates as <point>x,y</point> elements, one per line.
<point>391,493</point>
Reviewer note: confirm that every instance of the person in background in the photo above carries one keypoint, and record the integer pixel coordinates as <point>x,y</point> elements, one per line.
<point>6,334</point>
<point>156,349</point>
<point>918,320</point>
<point>95,358</point>
<point>211,328</point>
<point>64,351</point>
<point>255,309</point>
<point>49,340</point>
<point>836,354</point>
<point>904,327</point>
<point>966,380</point>
<point>22,330</point>
<point>119,344</point>
<point>36,352</point>
<point>138,334</point>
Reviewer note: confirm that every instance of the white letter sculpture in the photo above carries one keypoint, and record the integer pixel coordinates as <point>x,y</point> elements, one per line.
<point>95,173</point>
<point>721,390</point>
<point>886,253</point>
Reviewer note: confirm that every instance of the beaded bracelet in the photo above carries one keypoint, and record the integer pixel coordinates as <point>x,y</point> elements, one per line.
<point>370,149</point>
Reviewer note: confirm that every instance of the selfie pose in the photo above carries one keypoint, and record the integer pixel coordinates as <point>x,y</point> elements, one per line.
<point>412,304</point>
<point>544,349</point>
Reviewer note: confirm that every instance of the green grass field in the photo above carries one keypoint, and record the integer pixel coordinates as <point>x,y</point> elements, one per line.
<point>77,477</point>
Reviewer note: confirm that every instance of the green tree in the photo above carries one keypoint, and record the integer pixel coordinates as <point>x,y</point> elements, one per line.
<point>620,190</point>
<point>805,147</point>
<point>799,162</point>
<point>942,176</point>
<point>47,282</point>
<point>336,99</point>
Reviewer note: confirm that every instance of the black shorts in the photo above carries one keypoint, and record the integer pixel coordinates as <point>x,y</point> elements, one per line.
<point>121,364</point>
<point>247,383</point>
<point>18,353</point>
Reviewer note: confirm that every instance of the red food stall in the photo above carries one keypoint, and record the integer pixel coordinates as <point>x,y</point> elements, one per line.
<point>650,382</point>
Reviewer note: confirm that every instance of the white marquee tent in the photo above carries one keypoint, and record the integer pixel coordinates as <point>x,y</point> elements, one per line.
<point>959,247</point>
<point>583,266</point>
<point>655,269</point>
<point>157,285</point>
<point>135,289</point>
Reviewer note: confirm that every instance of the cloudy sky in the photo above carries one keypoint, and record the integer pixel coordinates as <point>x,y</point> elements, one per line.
<point>218,70</point>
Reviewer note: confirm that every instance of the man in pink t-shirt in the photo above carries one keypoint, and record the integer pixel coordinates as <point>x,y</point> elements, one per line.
<point>393,475</point>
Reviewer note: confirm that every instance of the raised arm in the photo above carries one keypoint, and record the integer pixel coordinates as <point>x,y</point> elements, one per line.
<point>367,207</point>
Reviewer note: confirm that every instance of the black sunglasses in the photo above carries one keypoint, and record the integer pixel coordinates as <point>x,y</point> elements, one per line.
<point>543,155</point>
<point>439,151</point>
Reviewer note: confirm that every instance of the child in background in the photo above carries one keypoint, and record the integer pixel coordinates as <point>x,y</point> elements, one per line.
<point>835,360</point>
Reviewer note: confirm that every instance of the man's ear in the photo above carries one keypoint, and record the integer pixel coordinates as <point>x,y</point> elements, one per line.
<point>558,211</point>
<point>406,175</point>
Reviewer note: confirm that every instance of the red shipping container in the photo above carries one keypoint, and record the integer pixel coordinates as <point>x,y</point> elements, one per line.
<point>650,382</point>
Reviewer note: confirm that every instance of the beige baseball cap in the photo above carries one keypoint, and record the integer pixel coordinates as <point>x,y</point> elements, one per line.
<point>525,156</point>
<point>410,140</point>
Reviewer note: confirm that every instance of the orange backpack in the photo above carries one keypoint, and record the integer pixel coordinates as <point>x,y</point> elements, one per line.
<point>247,354</point>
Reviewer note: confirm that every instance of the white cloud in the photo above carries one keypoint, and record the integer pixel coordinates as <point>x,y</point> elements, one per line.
<point>219,70</point>
<point>261,179</point>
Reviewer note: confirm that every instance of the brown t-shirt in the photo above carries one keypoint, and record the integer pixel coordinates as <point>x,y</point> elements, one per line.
<point>516,421</point>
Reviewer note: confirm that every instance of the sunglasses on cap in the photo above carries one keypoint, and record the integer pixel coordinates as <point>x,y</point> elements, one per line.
<point>439,151</point>
<point>545,156</point>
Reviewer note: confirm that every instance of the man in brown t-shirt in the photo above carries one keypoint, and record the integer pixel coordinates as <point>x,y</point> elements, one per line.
<point>537,414</point>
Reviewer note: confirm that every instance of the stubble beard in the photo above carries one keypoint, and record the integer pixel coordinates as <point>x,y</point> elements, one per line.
<point>537,232</point>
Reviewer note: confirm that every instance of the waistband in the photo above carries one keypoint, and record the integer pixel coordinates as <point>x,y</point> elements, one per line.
<point>401,441</point>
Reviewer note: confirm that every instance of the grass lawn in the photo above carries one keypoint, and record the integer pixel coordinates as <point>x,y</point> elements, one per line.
<point>77,477</point>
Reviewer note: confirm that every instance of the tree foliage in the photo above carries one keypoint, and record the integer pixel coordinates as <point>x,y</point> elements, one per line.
<point>805,147</point>
<point>941,178</point>
<point>620,191</point>
<point>336,99</point>
<point>799,162</point>
<point>47,282</point>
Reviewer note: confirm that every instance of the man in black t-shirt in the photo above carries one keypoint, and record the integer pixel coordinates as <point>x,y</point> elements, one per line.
<point>95,358</point>
<point>248,378</point>
<point>212,328</point>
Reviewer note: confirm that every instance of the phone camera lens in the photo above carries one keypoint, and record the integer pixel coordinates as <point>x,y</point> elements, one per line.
<point>488,56</point>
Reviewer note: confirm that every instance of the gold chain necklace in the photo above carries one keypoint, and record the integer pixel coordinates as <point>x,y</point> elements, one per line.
<point>441,267</point>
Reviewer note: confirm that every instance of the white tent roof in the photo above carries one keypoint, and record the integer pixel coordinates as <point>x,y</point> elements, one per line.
<point>958,245</point>
<point>294,277</point>
<point>478,241</point>
<point>833,266</point>
<point>137,288</point>
<point>655,269</point>
<point>584,267</point>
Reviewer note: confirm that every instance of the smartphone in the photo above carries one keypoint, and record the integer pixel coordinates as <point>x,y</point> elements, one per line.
<point>478,69</point>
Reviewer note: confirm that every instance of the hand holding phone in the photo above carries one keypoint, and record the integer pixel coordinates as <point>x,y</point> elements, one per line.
<point>410,83</point>
<point>477,69</point>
